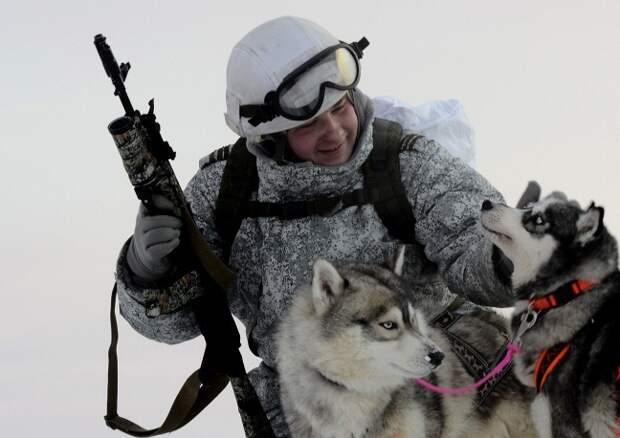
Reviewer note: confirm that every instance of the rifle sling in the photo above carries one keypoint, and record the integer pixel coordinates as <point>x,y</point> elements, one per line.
<point>192,398</point>
<point>222,362</point>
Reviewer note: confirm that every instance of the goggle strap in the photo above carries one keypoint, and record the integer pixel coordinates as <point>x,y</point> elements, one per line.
<point>268,111</point>
<point>359,47</point>
<point>260,113</point>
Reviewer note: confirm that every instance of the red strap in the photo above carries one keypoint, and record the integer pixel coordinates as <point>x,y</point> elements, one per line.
<point>547,361</point>
<point>580,286</point>
<point>544,303</point>
<point>561,296</point>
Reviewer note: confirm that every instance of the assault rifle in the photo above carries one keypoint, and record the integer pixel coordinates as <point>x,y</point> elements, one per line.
<point>146,156</point>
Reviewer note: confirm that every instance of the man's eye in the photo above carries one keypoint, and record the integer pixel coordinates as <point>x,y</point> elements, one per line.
<point>389,325</point>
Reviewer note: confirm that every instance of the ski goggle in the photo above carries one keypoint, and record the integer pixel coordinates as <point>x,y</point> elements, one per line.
<point>301,93</point>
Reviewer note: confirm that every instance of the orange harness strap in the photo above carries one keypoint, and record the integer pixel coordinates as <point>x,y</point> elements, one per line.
<point>561,296</point>
<point>547,361</point>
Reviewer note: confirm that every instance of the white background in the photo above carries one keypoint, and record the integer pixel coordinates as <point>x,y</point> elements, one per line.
<point>538,79</point>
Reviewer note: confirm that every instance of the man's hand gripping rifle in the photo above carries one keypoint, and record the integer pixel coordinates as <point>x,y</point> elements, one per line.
<point>146,158</point>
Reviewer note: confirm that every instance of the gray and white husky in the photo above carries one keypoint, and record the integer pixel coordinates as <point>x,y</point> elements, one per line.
<point>566,276</point>
<point>352,344</point>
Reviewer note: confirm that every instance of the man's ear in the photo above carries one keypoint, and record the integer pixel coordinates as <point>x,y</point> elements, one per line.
<point>531,195</point>
<point>327,285</point>
<point>589,224</point>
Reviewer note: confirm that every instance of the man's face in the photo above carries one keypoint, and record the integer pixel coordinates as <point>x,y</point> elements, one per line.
<point>328,139</point>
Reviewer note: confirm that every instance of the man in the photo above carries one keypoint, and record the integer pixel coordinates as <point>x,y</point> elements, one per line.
<point>291,94</point>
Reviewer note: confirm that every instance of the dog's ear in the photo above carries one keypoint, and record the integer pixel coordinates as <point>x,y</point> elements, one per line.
<point>531,195</point>
<point>327,284</point>
<point>589,224</point>
<point>397,261</point>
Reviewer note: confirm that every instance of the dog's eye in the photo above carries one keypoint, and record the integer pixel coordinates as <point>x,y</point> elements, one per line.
<point>389,325</point>
<point>538,220</point>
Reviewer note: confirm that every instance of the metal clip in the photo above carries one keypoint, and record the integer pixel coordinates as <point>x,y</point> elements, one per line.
<point>528,319</point>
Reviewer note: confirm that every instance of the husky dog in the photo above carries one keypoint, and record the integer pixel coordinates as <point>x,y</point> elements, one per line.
<point>566,277</point>
<point>351,345</point>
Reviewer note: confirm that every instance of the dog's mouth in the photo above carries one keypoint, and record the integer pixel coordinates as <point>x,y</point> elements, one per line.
<point>416,374</point>
<point>499,235</point>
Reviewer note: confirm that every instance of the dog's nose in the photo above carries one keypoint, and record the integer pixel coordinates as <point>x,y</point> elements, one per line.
<point>487,205</point>
<point>435,358</point>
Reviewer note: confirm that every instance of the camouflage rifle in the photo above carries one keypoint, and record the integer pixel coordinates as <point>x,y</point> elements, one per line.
<point>146,157</point>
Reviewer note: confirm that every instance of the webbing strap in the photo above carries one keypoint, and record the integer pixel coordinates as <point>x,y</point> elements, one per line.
<point>383,188</point>
<point>564,294</point>
<point>547,361</point>
<point>222,360</point>
<point>299,209</point>
<point>239,180</point>
<point>189,402</point>
<point>383,181</point>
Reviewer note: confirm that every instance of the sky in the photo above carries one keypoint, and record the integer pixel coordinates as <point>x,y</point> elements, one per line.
<point>538,80</point>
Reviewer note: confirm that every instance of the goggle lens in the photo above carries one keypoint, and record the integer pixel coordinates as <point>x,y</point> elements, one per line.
<point>300,96</point>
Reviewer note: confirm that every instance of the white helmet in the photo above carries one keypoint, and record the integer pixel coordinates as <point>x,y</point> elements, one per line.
<point>284,72</point>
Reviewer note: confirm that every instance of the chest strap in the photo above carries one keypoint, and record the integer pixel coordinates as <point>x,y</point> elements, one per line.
<point>563,295</point>
<point>383,189</point>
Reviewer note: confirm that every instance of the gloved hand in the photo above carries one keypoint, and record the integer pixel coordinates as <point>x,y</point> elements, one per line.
<point>154,238</point>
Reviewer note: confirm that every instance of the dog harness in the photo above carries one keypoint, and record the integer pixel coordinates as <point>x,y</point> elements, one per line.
<point>551,358</point>
<point>561,296</point>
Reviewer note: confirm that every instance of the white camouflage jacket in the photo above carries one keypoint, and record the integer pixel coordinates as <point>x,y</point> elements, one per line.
<point>271,257</point>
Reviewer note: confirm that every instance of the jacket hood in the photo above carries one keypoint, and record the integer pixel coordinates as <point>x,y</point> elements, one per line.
<point>284,181</point>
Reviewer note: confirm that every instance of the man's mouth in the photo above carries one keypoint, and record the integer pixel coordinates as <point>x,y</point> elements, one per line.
<point>331,150</point>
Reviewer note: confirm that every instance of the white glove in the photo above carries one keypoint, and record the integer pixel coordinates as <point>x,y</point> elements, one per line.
<point>154,238</point>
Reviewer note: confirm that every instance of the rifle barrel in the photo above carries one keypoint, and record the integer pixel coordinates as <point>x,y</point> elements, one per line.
<point>114,72</point>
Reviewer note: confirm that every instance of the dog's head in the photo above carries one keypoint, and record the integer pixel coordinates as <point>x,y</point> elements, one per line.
<point>550,240</point>
<point>372,335</point>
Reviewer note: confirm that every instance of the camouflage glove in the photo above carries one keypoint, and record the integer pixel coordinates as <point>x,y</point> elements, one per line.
<point>154,238</point>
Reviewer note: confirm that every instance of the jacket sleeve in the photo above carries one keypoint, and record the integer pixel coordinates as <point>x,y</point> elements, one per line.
<point>446,196</point>
<point>161,311</point>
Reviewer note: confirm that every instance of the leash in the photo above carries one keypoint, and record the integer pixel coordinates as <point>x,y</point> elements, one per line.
<point>536,306</point>
<point>511,349</point>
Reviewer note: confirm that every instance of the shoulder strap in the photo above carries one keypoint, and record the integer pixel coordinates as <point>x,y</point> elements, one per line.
<point>383,188</point>
<point>383,181</point>
<point>239,180</point>
<point>219,154</point>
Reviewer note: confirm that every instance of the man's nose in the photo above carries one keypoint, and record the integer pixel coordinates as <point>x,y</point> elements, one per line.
<point>330,125</point>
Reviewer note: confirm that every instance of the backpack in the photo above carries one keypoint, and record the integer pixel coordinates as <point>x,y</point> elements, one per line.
<point>383,188</point>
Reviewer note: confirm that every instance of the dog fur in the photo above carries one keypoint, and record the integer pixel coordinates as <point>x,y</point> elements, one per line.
<point>351,345</point>
<point>551,243</point>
